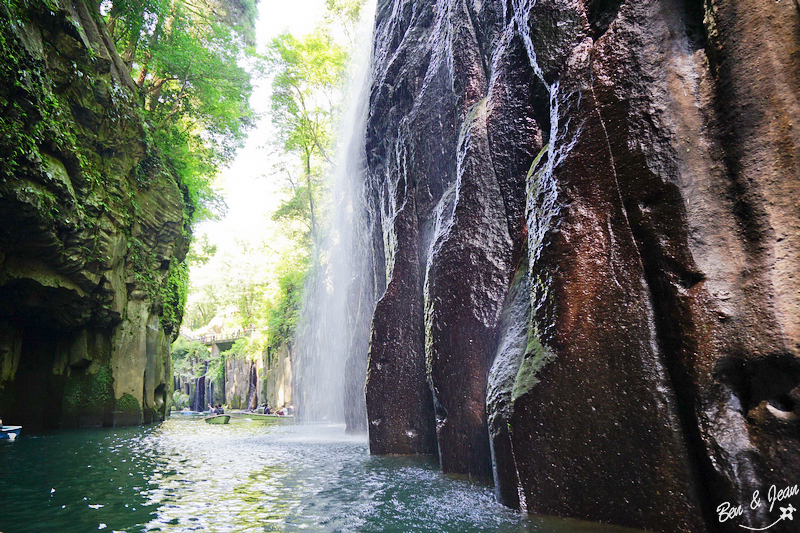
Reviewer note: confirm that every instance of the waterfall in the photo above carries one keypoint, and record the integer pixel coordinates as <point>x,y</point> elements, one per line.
<point>333,335</point>
<point>252,388</point>
<point>198,401</point>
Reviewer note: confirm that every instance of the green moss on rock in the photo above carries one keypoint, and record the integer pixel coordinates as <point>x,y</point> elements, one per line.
<point>128,404</point>
<point>89,396</point>
<point>537,355</point>
<point>174,296</point>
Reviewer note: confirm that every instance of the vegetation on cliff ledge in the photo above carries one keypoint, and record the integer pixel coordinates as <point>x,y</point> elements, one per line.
<point>184,59</point>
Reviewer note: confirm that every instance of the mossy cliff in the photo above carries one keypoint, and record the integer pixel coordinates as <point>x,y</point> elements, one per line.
<point>93,228</point>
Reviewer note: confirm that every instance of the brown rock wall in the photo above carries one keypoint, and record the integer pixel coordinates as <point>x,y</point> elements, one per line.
<point>607,221</point>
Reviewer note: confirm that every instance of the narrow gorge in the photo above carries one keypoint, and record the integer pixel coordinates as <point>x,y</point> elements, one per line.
<point>565,262</point>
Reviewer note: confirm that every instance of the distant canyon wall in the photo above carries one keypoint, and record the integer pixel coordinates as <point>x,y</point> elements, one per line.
<point>586,217</point>
<point>276,378</point>
<point>93,229</point>
<point>245,382</point>
<point>265,380</point>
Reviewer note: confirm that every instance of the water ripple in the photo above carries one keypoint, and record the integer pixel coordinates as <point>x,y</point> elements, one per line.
<point>248,476</point>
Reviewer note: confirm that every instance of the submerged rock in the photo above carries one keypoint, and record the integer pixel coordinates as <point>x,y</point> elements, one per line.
<point>93,230</point>
<point>591,234</point>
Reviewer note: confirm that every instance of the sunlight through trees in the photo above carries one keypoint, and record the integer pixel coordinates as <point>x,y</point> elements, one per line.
<point>184,56</point>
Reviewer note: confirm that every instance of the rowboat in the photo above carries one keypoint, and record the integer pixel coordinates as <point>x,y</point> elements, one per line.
<point>9,432</point>
<point>218,419</point>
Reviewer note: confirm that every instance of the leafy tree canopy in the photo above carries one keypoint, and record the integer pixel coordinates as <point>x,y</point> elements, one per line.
<point>308,77</point>
<point>185,56</point>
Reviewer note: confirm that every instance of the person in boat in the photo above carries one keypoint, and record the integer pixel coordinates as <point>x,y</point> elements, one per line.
<point>219,410</point>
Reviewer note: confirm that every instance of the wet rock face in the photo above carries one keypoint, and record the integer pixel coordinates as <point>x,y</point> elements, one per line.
<point>92,228</point>
<point>400,412</point>
<point>605,222</point>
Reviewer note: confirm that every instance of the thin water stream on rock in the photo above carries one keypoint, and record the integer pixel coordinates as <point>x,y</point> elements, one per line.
<point>185,475</point>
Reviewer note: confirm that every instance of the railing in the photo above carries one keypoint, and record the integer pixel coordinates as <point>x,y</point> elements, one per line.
<point>219,338</point>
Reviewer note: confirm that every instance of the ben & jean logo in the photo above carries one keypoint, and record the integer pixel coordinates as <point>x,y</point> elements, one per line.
<point>726,511</point>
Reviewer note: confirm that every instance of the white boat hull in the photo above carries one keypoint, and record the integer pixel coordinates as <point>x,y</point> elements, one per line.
<point>10,432</point>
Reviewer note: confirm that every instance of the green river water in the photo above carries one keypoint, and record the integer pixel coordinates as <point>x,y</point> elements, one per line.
<point>185,475</point>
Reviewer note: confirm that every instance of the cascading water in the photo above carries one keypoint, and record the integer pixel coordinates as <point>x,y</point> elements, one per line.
<point>252,388</point>
<point>543,204</point>
<point>333,335</point>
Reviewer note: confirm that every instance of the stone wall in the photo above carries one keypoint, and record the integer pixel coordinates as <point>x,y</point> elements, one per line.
<point>588,218</point>
<point>241,383</point>
<point>92,225</point>
<point>276,379</point>
<point>250,381</point>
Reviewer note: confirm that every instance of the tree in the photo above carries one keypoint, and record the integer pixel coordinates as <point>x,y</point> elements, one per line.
<point>201,251</point>
<point>308,75</point>
<point>343,15</point>
<point>184,57</point>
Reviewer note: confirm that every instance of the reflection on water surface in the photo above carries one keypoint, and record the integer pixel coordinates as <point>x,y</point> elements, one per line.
<point>185,475</point>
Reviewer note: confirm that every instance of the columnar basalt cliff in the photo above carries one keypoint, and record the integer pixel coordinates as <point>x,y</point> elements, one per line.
<point>92,229</point>
<point>588,223</point>
<point>268,379</point>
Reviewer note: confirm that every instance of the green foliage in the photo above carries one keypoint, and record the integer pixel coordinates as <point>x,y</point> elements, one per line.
<point>284,315</point>
<point>203,304</point>
<point>308,72</point>
<point>240,348</point>
<point>343,15</point>
<point>250,348</point>
<point>180,400</point>
<point>294,214</point>
<point>128,404</point>
<point>201,251</point>
<point>189,351</point>
<point>174,298</point>
<point>184,57</point>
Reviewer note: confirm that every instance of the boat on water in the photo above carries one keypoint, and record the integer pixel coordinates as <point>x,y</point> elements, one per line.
<point>9,432</point>
<point>218,419</point>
